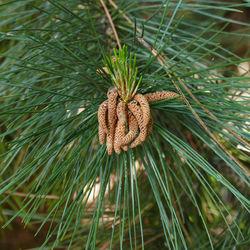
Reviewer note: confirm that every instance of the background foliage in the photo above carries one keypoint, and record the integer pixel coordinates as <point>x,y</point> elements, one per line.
<point>180,189</point>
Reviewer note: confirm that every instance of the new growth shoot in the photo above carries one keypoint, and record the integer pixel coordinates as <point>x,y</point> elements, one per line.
<point>123,72</point>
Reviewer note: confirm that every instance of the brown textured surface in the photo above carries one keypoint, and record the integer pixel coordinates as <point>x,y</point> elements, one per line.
<point>120,127</point>
<point>114,115</point>
<point>133,129</point>
<point>122,112</point>
<point>110,143</point>
<point>137,112</point>
<point>125,148</point>
<point>157,96</point>
<point>118,132</point>
<point>102,135</point>
<point>112,118</point>
<point>137,141</point>
<point>112,105</point>
<point>142,100</point>
<point>150,126</point>
<point>102,116</point>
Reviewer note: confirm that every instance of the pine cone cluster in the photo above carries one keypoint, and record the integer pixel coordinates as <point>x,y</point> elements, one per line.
<point>127,124</point>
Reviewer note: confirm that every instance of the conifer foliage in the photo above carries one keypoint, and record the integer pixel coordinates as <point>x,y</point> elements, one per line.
<point>185,186</point>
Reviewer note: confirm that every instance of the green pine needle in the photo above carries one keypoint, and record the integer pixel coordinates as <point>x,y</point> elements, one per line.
<point>123,73</point>
<point>179,189</point>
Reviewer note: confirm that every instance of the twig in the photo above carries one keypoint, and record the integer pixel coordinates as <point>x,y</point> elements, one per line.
<point>154,52</point>
<point>212,115</point>
<point>111,23</point>
<point>151,240</point>
<point>52,197</point>
<point>122,13</point>
<point>164,64</point>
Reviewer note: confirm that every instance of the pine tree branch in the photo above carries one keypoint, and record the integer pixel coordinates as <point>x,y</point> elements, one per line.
<point>111,23</point>
<point>150,240</point>
<point>51,147</point>
<point>163,62</point>
<point>52,197</point>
